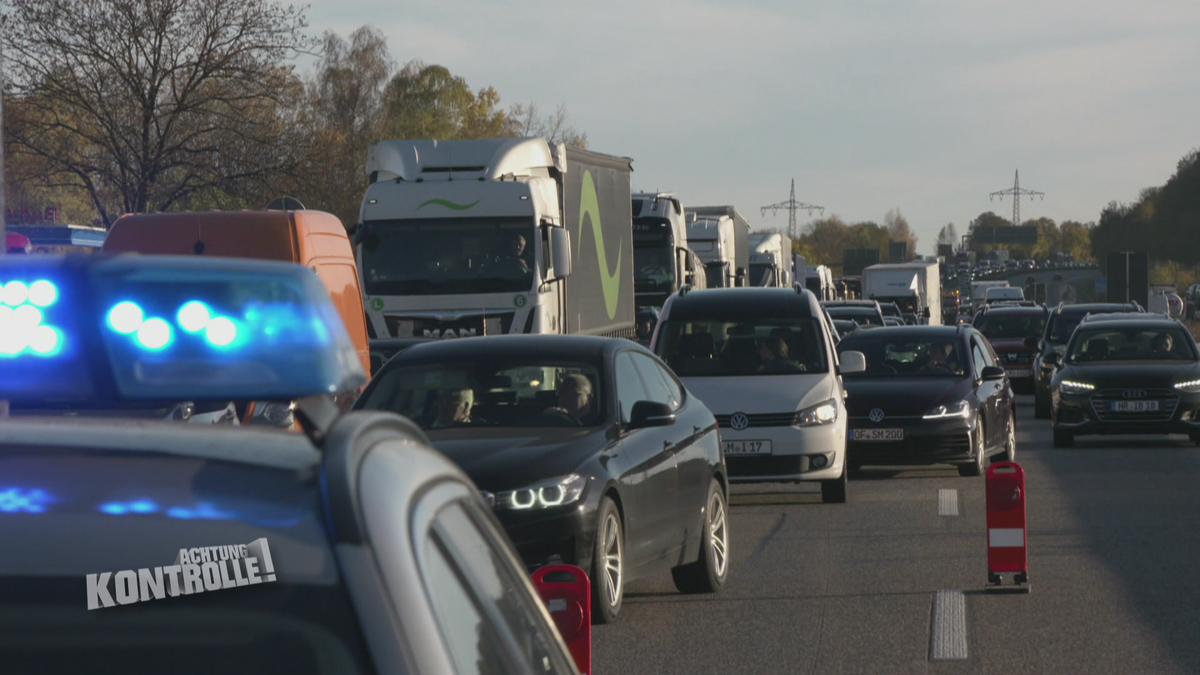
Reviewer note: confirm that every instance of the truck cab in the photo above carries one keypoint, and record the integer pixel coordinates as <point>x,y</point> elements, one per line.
<point>770,260</point>
<point>662,260</point>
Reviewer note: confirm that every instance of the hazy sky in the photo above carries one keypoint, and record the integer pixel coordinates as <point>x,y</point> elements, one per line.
<point>924,106</point>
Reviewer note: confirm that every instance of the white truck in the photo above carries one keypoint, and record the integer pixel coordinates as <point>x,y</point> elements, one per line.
<point>914,286</point>
<point>720,236</point>
<point>662,261</point>
<point>770,260</point>
<point>979,292</point>
<point>819,280</point>
<point>494,236</point>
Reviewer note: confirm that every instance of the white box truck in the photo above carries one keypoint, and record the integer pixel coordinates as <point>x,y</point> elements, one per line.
<point>770,260</point>
<point>720,236</point>
<point>914,286</point>
<point>494,236</point>
<point>979,292</point>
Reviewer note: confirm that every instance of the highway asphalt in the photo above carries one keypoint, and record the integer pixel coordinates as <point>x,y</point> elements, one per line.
<point>885,584</point>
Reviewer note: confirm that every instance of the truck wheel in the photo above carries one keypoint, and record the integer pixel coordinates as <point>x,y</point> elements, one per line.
<point>711,569</point>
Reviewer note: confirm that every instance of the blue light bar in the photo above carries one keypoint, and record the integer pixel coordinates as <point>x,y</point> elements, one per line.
<point>166,328</point>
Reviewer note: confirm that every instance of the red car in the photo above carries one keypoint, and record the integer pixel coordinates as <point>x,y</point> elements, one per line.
<point>1014,332</point>
<point>18,243</point>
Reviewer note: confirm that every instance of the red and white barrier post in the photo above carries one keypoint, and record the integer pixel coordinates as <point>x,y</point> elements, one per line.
<point>1007,552</point>
<point>567,592</point>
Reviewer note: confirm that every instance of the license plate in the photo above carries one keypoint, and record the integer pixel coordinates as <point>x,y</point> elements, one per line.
<point>1023,372</point>
<point>878,434</point>
<point>747,447</point>
<point>1135,406</point>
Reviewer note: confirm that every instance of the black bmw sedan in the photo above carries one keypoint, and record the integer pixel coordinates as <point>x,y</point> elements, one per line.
<point>929,395</point>
<point>1126,374</point>
<point>590,449</point>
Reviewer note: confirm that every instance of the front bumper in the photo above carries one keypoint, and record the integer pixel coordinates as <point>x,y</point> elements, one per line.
<point>792,452</point>
<point>541,536</point>
<point>925,442</point>
<point>1091,413</point>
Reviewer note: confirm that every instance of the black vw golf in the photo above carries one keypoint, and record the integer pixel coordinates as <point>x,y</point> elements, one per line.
<point>929,395</point>
<point>1127,374</point>
<point>590,449</point>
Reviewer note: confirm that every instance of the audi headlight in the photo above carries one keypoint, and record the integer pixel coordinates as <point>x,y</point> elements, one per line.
<point>559,491</point>
<point>962,410</point>
<point>822,413</point>
<point>1072,387</point>
<point>1191,386</point>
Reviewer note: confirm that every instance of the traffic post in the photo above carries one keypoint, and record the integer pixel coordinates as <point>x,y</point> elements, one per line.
<point>567,593</point>
<point>1007,552</point>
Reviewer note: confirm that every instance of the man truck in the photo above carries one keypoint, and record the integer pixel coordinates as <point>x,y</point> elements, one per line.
<point>770,260</point>
<point>662,261</point>
<point>720,236</point>
<point>914,286</point>
<point>495,236</point>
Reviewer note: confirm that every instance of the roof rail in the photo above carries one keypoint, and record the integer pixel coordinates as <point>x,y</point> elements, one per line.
<point>799,288</point>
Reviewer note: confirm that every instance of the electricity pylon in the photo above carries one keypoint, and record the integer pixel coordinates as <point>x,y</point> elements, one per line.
<point>1016,192</point>
<point>792,206</point>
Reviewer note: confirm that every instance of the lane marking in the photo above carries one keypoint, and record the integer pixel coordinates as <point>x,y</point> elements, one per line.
<point>949,638</point>
<point>999,537</point>
<point>948,502</point>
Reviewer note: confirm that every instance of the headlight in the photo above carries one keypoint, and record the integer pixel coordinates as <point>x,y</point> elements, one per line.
<point>1072,387</point>
<point>559,491</point>
<point>822,413</point>
<point>1191,386</point>
<point>961,410</point>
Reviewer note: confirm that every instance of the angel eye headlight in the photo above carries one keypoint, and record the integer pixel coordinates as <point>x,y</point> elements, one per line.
<point>559,491</point>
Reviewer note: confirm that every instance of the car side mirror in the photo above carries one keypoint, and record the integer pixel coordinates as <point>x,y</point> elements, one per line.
<point>992,373</point>
<point>1052,358</point>
<point>560,252</point>
<point>650,414</point>
<point>1031,342</point>
<point>852,362</point>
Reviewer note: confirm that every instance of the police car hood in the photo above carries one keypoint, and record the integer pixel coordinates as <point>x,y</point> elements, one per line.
<point>499,459</point>
<point>760,394</point>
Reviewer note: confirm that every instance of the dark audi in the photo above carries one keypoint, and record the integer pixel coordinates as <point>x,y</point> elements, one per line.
<point>1126,374</point>
<point>591,450</point>
<point>929,395</point>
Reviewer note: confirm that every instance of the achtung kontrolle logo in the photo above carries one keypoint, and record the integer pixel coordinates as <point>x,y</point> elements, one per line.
<point>196,570</point>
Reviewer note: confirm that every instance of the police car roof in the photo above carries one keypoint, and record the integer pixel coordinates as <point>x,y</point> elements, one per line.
<point>741,304</point>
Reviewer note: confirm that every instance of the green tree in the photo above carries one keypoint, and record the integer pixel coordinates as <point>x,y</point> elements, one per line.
<point>427,101</point>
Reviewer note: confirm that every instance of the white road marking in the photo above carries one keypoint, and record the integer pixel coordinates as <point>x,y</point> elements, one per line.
<point>949,639</point>
<point>947,502</point>
<point>1000,537</point>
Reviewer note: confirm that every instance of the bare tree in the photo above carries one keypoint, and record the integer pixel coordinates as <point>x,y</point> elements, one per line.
<point>146,104</point>
<point>527,120</point>
<point>948,235</point>
<point>900,230</point>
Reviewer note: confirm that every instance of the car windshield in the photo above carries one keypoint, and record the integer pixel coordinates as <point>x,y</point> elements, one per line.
<point>765,346</point>
<point>491,392</point>
<point>1012,325</point>
<point>451,255</point>
<point>862,316</point>
<point>1132,343</point>
<point>1062,326</point>
<point>894,356</point>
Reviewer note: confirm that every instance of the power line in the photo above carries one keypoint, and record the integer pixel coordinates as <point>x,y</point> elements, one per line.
<point>1016,192</point>
<point>792,206</point>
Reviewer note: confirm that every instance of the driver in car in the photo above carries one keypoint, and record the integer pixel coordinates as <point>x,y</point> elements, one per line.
<point>1163,346</point>
<point>574,399</point>
<point>775,360</point>
<point>940,358</point>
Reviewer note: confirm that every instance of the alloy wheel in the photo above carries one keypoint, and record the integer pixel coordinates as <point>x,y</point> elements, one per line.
<point>718,534</point>
<point>613,562</point>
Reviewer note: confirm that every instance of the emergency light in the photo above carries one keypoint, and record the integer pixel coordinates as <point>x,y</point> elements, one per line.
<point>168,328</point>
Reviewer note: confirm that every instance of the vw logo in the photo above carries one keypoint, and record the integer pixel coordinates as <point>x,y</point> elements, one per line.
<point>876,415</point>
<point>739,421</point>
<point>1134,393</point>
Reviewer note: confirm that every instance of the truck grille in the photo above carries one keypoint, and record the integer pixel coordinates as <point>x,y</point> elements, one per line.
<point>759,420</point>
<point>474,325</point>
<point>1102,401</point>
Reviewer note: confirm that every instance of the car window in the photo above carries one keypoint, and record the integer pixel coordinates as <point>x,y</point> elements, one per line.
<point>764,346</point>
<point>979,360</point>
<point>1011,325</point>
<point>630,389</point>
<point>891,356</point>
<point>1133,343</point>
<point>660,386</point>
<point>486,615</point>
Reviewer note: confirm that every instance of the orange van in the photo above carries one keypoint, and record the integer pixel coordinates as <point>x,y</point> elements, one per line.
<point>312,238</point>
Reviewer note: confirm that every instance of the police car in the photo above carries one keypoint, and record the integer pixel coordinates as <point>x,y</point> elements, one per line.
<point>146,546</point>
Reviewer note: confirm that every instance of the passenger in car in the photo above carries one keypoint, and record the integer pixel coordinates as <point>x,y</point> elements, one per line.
<point>454,408</point>
<point>775,360</point>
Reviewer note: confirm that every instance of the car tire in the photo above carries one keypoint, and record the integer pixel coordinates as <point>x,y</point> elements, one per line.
<point>1041,406</point>
<point>1194,437</point>
<point>834,491</point>
<point>1063,438</point>
<point>711,569</point>
<point>608,564</point>
<point>1010,445</point>
<point>979,452</point>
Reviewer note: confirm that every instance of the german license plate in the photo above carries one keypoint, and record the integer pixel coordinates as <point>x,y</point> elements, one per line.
<point>1134,406</point>
<point>747,447</point>
<point>1022,372</point>
<point>878,434</point>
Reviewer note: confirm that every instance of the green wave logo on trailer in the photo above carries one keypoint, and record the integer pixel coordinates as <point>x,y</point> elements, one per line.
<point>448,204</point>
<point>610,282</point>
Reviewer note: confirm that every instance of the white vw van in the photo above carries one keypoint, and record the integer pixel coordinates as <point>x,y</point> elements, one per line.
<point>763,360</point>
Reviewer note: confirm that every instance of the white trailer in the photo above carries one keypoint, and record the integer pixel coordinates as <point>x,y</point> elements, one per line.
<point>916,287</point>
<point>770,260</point>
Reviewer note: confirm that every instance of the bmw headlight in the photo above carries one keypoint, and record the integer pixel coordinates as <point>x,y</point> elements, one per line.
<point>1191,386</point>
<point>1072,387</point>
<point>559,491</point>
<point>822,413</point>
<point>961,410</point>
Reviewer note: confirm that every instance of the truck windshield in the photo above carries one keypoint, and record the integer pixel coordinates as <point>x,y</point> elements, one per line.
<point>762,275</point>
<point>716,273</point>
<point>448,256</point>
<point>653,265</point>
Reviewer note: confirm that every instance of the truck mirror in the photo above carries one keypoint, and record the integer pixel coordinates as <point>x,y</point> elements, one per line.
<point>560,252</point>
